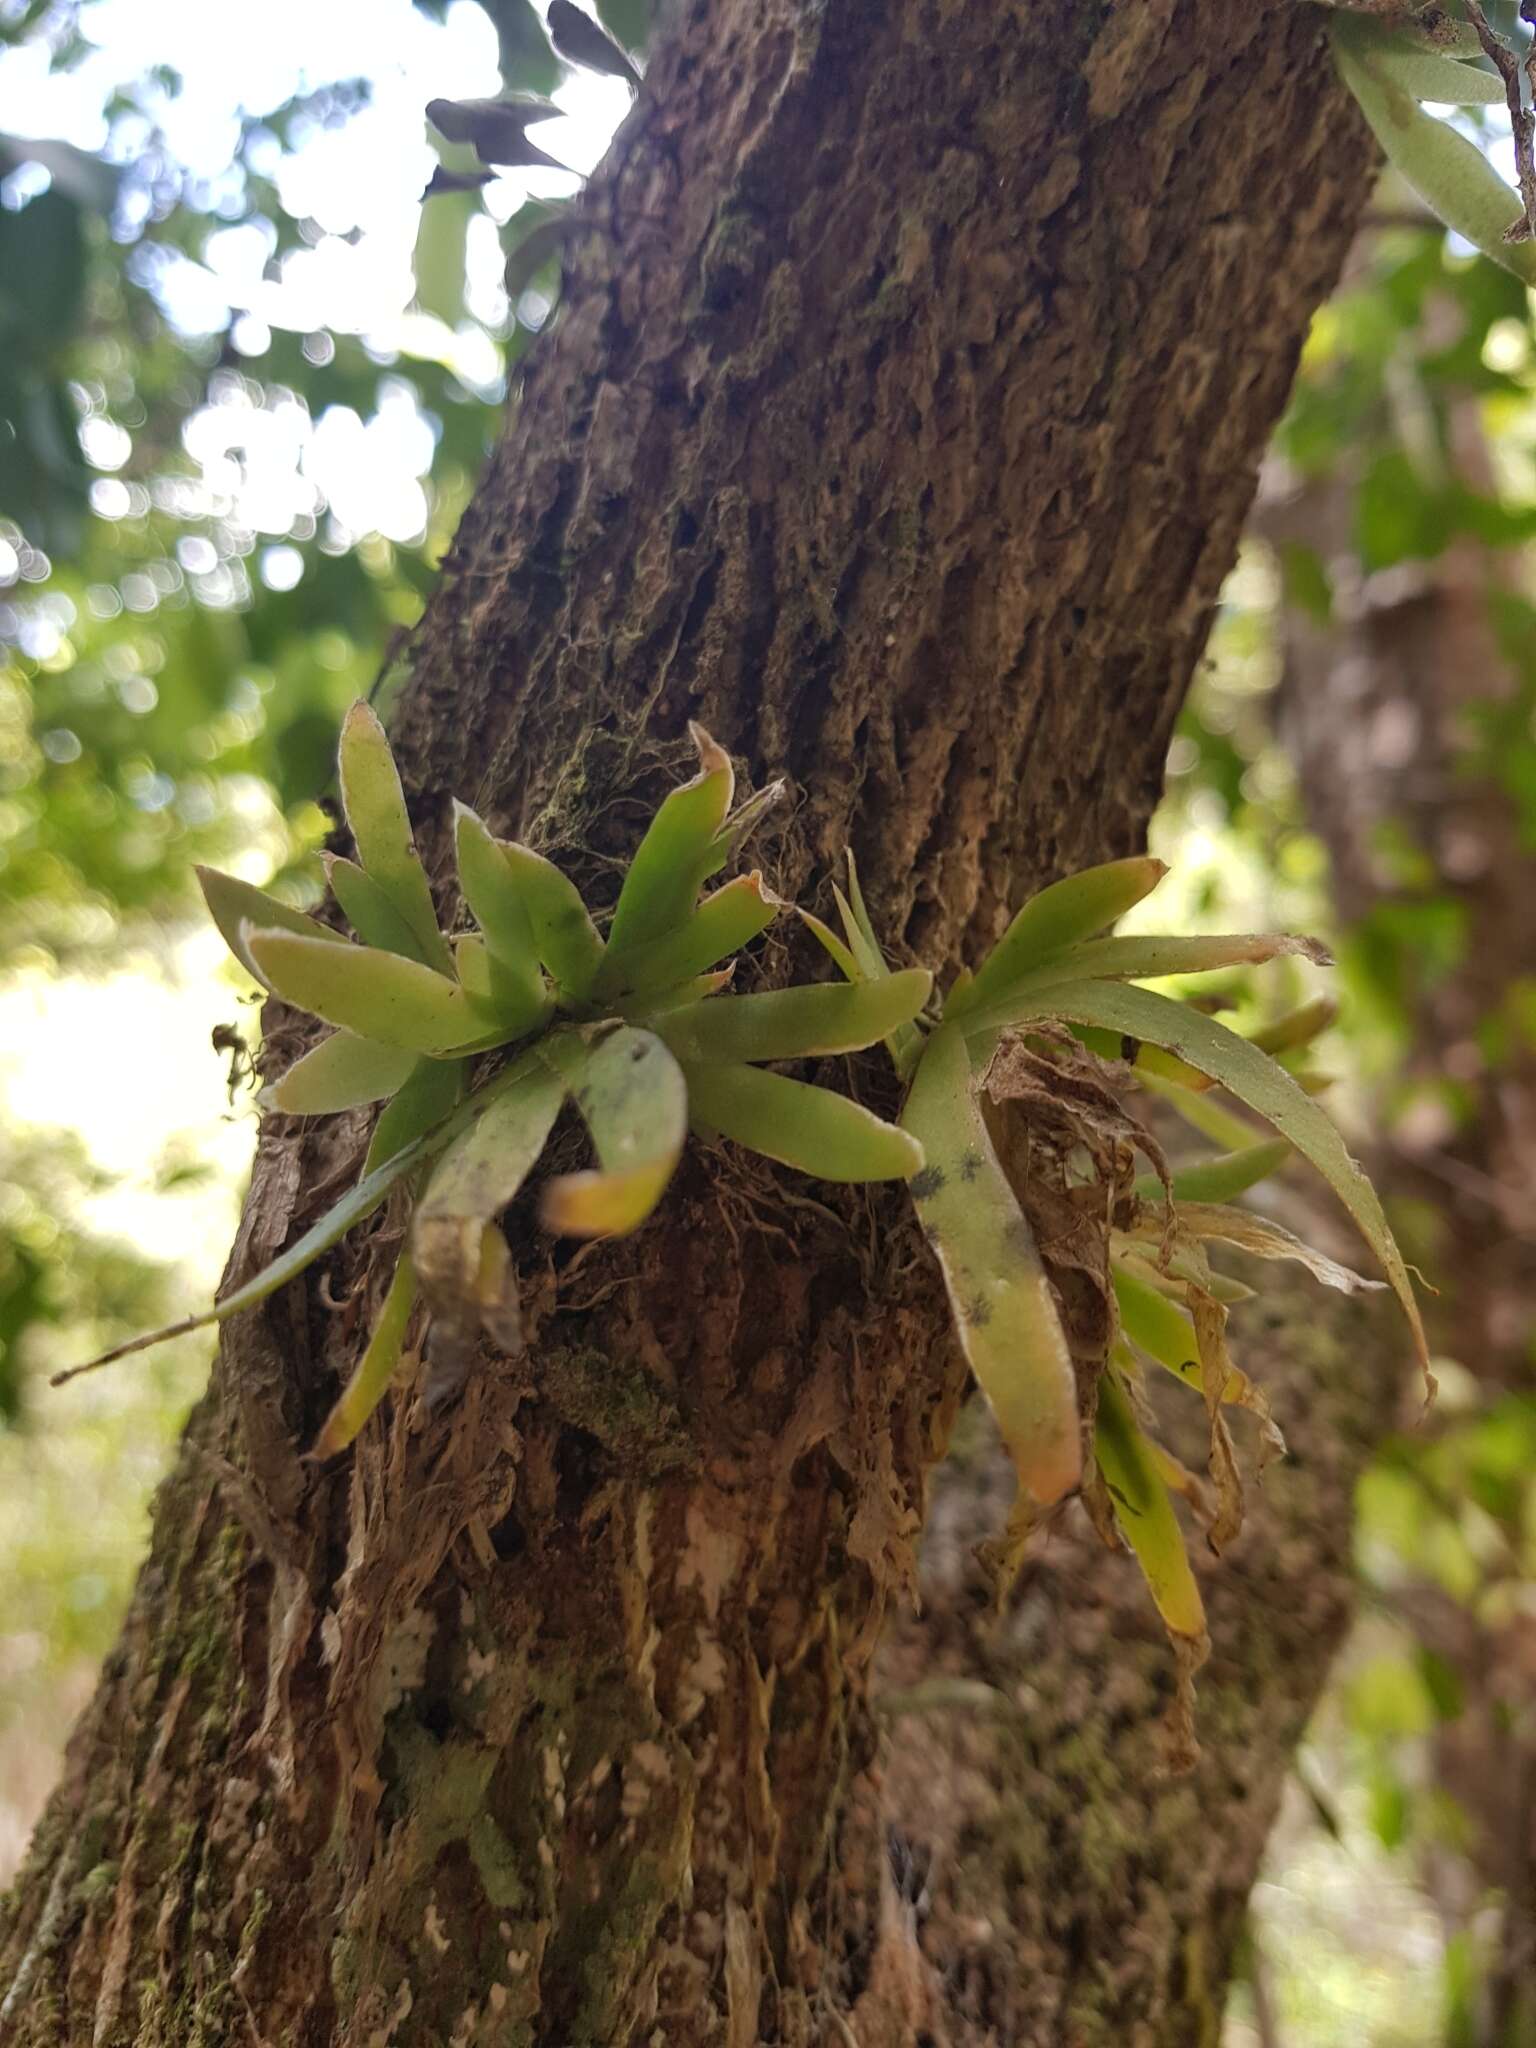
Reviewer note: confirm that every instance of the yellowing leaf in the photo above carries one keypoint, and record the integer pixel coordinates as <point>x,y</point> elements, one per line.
<point>794,1023</point>
<point>1258,1081</point>
<point>999,1293</point>
<point>634,1100</point>
<point>375,1369</point>
<point>341,1072</point>
<point>381,827</point>
<point>801,1126</point>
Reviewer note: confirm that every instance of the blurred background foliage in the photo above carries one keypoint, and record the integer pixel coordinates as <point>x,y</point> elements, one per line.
<point>246,384</point>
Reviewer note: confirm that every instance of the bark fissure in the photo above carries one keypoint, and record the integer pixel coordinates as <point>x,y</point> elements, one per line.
<point>900,428</point>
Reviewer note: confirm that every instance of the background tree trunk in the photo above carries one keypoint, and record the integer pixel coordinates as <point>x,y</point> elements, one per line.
<point>1376,710</point>
<point>900,420</point>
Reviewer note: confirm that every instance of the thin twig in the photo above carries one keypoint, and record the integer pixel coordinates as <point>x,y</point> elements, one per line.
<point>1521,120</point>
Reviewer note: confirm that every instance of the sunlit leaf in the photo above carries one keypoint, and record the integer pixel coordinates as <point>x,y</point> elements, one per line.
<point>1450,174</point>
<point>1134,959</point>
<point>1059,916</point>
<point>634,1100</point>
<point>234,905</point>
<point>801,1126</point>
<point>381,827</point>
<point>375,994</point>
<point>1000,1296</point>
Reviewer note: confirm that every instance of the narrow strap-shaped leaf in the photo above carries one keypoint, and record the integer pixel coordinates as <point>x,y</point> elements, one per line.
<point>497,905</point>
<point>1450,174</point>
<point>795,1023</point>
<point>809,1128</point>
<point>381,826</point>
<point>634,1100</point>
<point>724,922</point>
<point>564,936</point>
<point>581,40</point>
<point>369,911</point>
<point>739,827</point>
<point>341,1072</point>
<point>1298,1027</point>
<point>1257,1080</point>
<point>1161,1329</point>
<point>999,1293</point>
<point>1074,908</point>
<point>1220,1180</point>
<point>662,882</point>
<point>429,1093</point>
<point>378,995</point>
<point>474,1181</point>
<point>1198,1107</point>
<point>377,1366</point>
<point>233,904</point>
<point>1137,959</point>
<point>836,949</point>
<point>1143,1511</point>
<point>1267,1240</point>
<point>905,1042</point>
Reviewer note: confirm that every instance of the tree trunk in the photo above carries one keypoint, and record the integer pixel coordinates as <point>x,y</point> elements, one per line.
<point>899,422</point>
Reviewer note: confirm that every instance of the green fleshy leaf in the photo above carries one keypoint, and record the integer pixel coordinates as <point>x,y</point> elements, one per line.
<point>1254,1078</point>
<point>381,827</point>
<point>840,954</point>
<point>470,1186</point>
<point>799,1125</point>
<point>634,1100</point>
<point>1220,1180</point>
<point>564,936</point>
<point>233,904</point>
<point>1000,1296</point>
<point>1059,916</point>
<point>723,923</point>
<point>1450,174</point>
<point>341,1072</point>
<point>905,1042</point>
<point>377,995</point>
<point>497,906</point>
<point>431,1092</point>
<point>1161,1329</point>
<point>370,912</point>
<point>795,1023</point>
<point>1414,66</point>
<point>376,1368</point>
<point>662,882</point>
<point>519,1004</point>
<point>1144,1513</point>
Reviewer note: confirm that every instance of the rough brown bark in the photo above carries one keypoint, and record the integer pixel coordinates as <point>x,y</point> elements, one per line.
<point>900,425</point>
